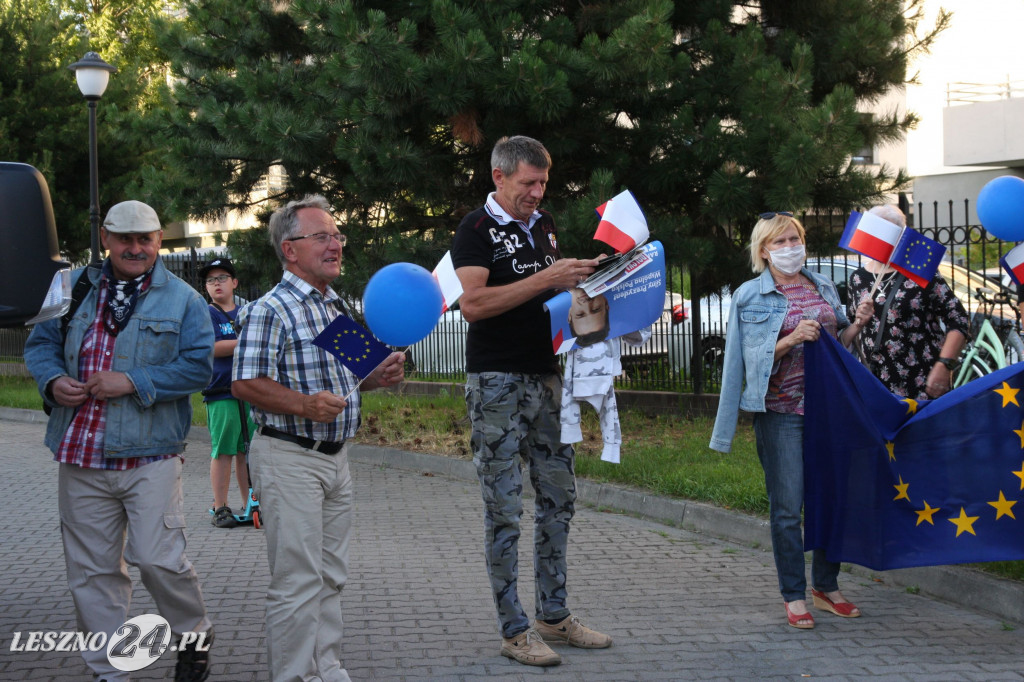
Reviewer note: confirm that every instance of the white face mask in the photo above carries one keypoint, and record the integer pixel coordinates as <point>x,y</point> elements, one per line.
<point>788,260</point>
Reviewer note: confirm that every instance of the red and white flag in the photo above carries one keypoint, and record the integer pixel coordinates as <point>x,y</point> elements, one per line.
<point>451,286</point>
<point>871,236</point>
<point>622,225</point>
<point>1013,263</point>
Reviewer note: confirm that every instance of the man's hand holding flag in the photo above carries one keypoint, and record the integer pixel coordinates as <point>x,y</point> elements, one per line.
<point>353,345</point>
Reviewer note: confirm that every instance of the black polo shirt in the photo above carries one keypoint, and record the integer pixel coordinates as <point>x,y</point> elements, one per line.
<point>518,340</point>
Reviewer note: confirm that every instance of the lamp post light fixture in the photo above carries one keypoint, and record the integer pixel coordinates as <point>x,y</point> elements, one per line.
<point>93,74</point>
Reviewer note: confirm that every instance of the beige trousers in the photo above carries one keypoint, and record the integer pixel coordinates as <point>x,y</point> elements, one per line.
<point>306,509</point>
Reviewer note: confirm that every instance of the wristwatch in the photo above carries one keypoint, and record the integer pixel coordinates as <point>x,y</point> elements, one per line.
<point>950,363</point>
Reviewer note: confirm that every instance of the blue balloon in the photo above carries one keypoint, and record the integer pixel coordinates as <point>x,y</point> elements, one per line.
<point>402,304</point>
<point>1001,208</point>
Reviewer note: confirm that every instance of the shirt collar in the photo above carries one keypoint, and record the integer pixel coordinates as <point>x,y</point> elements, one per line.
<point>503,218</point>
<point>307,289</point>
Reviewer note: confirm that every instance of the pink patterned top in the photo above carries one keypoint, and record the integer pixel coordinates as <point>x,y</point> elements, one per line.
<point>786,385</point>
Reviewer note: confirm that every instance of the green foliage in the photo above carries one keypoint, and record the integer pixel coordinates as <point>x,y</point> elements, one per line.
<point>43,117</point>
<point>709,111</point>
<point>254,258</point>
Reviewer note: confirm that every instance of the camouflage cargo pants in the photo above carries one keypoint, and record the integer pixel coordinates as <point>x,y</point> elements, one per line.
<point>518,414</point>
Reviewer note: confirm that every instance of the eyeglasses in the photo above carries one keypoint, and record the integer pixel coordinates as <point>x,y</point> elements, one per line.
<point>771,214</point>
<point>219,279</point>
<point>321,238</point>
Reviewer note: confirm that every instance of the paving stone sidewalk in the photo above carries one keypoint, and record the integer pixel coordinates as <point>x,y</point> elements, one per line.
<point>680,605</point>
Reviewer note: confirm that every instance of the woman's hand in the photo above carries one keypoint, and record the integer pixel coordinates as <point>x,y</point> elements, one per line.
<point>861,316</point>
<point>864,312</point>
<point>940,379</point>
<point>806,330</point>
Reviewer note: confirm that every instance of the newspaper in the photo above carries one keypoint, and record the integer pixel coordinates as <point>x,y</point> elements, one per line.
<point>613,270</point>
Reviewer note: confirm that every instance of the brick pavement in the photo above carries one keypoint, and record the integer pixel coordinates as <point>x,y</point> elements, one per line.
<point>680,605</point>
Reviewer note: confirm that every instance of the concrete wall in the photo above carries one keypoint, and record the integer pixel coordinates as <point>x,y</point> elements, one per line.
<point>955,187</point>
<point>984,133</point>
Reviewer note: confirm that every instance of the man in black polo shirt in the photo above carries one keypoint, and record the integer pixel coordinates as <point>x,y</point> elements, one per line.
<point>506,256</point>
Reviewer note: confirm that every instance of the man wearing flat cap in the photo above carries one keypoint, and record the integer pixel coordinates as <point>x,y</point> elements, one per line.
<point>118,375</point>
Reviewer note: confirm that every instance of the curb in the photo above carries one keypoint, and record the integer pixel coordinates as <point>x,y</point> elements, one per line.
<point>962,586</point>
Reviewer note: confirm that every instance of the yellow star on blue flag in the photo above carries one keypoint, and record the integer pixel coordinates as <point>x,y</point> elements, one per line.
<point>887,487</point>
<point>917,256</point>
<point>353,344</point>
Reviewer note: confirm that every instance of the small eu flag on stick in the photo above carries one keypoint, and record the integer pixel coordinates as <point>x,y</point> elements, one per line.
<point>917,256</point>
<point>353,345</point>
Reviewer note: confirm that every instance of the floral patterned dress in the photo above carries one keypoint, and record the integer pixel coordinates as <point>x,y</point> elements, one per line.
<point>916,325</point>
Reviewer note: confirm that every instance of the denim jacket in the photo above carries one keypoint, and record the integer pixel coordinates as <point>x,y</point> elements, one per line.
<point>166,349</point>
<point>755,320</point>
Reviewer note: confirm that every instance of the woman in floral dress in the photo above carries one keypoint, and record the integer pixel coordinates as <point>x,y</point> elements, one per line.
<point>913,344</point>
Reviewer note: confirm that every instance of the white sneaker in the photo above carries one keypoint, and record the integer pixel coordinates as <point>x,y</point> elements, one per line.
<point>574,633</point>
<point>529,649</point>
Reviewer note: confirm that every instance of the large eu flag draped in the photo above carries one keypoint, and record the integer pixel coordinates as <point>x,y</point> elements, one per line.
<point>351,343</point>
<point>892,482</point>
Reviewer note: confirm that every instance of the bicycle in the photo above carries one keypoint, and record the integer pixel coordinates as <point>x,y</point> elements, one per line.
<point>995,342</point>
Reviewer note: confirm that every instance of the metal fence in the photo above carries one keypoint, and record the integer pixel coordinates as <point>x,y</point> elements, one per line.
<point>668,362</point>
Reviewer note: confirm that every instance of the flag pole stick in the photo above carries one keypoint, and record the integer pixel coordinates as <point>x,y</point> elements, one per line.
<point>360,382</point>
<point>354,389</point>
<point>878,275</point>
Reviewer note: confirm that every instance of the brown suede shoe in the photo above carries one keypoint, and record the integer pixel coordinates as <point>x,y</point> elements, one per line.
<point>574,633</point>
<point>529,649</point>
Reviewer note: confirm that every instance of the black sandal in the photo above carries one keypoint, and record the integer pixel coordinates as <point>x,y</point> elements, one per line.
<point>224,518</point>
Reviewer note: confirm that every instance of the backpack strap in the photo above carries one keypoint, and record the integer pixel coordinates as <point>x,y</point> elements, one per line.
<point>78,294</point>
<point>896,285</point>
<point>234,322</point>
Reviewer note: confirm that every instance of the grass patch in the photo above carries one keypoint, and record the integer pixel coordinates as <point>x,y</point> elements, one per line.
<point>20,392</point>
<point>670,456</point>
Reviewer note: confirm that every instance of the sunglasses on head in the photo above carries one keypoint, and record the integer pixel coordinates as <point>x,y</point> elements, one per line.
<point>771,214</point>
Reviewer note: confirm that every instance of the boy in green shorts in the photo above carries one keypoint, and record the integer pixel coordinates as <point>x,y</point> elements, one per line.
<point>223,412</point>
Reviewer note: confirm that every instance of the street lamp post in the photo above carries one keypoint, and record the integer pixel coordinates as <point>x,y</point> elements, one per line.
<point>93,74</point>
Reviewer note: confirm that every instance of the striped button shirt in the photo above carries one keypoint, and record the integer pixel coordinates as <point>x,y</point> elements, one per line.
<point>276,342</point>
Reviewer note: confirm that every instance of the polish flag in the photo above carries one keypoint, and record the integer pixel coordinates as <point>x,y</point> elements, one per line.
<point>871,236</point>
<point>622,225</point>
<point>1013,263</point>
<point>560,344</point>
<point>451,286</point>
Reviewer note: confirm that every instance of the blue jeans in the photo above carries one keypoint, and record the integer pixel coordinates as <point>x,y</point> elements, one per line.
<point>516,416</point>
<point>780,447</point>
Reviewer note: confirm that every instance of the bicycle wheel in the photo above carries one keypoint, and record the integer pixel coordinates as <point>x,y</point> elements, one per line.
<point>978,368</point>
<point>973,364</point>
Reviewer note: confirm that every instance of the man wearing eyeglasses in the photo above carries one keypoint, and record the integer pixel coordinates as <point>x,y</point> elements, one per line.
<point>299,463</point>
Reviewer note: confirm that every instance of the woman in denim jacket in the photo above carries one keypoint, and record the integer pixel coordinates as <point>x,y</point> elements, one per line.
<point>772,316</point>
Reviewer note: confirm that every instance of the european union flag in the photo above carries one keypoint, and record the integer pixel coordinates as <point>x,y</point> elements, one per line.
<point>892,483</point>
<point>353,345</point>
<point>917,256</point>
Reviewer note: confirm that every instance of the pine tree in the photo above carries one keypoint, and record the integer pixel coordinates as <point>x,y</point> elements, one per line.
<point>709,111</point>
<point>43,118</point>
